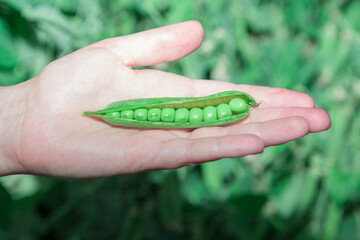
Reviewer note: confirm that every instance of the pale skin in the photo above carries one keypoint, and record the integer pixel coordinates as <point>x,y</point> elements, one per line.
<point>43,132</point>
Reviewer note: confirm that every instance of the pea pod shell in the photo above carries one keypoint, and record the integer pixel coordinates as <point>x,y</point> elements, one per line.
<point>176,103</point>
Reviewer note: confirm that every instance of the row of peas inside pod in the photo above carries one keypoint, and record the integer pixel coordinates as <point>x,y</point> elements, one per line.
<point>182,115</point>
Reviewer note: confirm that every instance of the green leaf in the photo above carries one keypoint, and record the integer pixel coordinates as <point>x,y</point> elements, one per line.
<point>170,202</point>
<point>6,208</point>
<point>342,185</point>
<point>193,188</point>
<point>211,173</point>
<point>20,186</point>
<point>333,220</point>
<point>193,66</point>
<point>287,194</point>
<point>19,5</point>
<point>181,11</point>
<point>349,229</point>
<point>352,15</point>
<point>50,15</point>
<point>8,57</point>
<point>247,205</point>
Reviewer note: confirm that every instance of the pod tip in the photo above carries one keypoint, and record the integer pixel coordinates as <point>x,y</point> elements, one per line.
<point>87,113</point>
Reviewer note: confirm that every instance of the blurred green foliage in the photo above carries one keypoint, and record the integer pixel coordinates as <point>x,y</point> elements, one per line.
<point>306,189</point>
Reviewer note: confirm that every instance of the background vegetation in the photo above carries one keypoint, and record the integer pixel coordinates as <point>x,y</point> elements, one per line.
<point>306,189</point>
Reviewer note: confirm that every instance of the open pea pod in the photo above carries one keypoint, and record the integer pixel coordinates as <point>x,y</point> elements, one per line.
<point>184,112</point>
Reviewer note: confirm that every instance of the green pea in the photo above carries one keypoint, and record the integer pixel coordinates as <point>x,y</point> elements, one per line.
<point>223,111</point>
<point>209,114</point>
<point>127,114</point>
<point>167,115</point>
<point>182,115</point>
<point>195,115</point>
<point>175,111</point>
<point>154,114</point>
<point>238,105</point>
<point>140,114</point>
<point>113,115</point>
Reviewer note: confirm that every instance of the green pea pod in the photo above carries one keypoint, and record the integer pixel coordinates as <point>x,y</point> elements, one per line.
<point>139,107</point>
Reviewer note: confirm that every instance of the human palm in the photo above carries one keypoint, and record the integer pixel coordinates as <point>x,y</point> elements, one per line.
<point>55,139</point>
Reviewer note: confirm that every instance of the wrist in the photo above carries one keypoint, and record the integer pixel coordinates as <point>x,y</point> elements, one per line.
<point>12,109</point>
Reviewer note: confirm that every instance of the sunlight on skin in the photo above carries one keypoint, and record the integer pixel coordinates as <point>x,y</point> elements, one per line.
<point>52,138</point>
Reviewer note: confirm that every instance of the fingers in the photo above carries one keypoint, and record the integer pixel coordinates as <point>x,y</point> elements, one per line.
<point>272,132</point>
<point>157,45</point>
<point>281,131</point>
<point>208,144</point>
<point>180,86</point>
<point>266,96</point>
<point>194,151</point>
<point>317,118</point>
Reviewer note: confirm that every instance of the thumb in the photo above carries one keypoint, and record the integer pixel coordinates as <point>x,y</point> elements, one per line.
<point>164,44</point>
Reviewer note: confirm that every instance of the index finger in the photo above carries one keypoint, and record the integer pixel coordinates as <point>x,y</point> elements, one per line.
<point>266,96</point>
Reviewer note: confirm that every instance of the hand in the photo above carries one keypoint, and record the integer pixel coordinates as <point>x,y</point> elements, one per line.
<point>52,137</point>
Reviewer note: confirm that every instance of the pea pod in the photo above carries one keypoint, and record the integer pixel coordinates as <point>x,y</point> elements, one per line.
<point>185,112</point>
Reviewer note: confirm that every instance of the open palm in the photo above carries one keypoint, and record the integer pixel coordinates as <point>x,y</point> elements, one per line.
<point>56,140</point>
